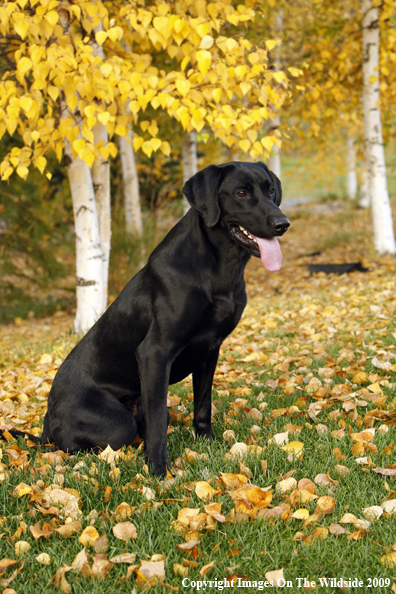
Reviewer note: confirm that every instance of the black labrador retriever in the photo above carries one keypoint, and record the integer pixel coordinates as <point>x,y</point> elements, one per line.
<point>170,319</point>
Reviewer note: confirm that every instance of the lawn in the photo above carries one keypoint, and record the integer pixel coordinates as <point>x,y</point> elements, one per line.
<point>300,481</point>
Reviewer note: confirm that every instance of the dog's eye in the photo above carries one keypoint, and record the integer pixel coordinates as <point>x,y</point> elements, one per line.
<point>241,193</point>
<point>271,191</point>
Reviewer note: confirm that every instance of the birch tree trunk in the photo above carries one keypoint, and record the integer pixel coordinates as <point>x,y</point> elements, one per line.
<point>365,198</point>
<point>274,162</point>
<point>189,159</point>
<point>101,185</point>
<point>89,252</point>
<point>351,173</point>
<point>132,206</point>
<point>384,239</point>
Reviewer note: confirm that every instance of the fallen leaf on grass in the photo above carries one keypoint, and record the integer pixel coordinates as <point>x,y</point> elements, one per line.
<point>123,511</point>
<point>125,531</point>
<point>43,558</point>
<point>326,504</point>
<point>80,560</point>
<point>6,563</point>
<point>204,490</point>
<point>88,536</point>
<point>100,568</point>
<point>373,513</point>
<point>110,456</point>
<point>69,529</point>
<point>38,532</point>
<point>22,546</point>
<point>294,449</point>
<point>389,506</point>
<point>206,568</point>
<point>181,570</point>
<point>238,450</point>
<point>124,558</point>
<point>286,485</point>
<point>385,471</point>
<point>187,546</point>
<point>152,569</point>
<point>337,530</point>
<point>300,514</point>
<point>275,577</point>
<point>352,519</point>
<point>280,439</point>
<point>319,533</point>
<point>389,560</point>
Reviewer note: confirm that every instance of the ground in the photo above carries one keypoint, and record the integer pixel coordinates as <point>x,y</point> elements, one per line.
<point>300,480</point>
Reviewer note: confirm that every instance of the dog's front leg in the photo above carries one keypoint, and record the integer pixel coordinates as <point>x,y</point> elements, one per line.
<point>154,371</point>
<point>202,384</point>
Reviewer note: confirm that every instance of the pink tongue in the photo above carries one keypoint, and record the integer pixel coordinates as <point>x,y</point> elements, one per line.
<point>270,252</point>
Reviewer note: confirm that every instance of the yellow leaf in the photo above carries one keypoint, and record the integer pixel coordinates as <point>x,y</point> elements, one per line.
<point>270,44</point>
<point>268,143</point>
<point>206,568</point>
<point>204,59</point>
<point>165,148</point>
<point>206,42</point>
<point>231,44</point>
<point>183,86</point>
<point>22,172</point>
<point>114,473</point>
<point>45,359</point>
<point>147,148</point>
<point>296,447</point>
<point>22,546</point>
<point>24,65</point>
<point>26,103</point>
<point>53,92</point>
<point>100,37</point>
<point>389,560</point>
<point>253,58</point>
<point>88,536</point>
<point>8,171</point>
<point>245,87</point>
<point>300,514</point>
<point>376,388</point>
<point>125,531</point>
<point>244,145</point>
<point>103,117</point>
<point>106,69</point>
<point>89,110</point>
<point>155,143</point>
<point>78,145</point>
<point>43,558</point>
<point>280,76</point>
<point>160,23</point>
<point>21,27</point>
<point>52,17</point>
<point>295,71</point>
<point>204,490</point>
<point>137,142</point>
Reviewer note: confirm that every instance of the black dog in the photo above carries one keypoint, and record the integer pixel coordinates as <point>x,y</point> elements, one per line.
<point>170,319</point>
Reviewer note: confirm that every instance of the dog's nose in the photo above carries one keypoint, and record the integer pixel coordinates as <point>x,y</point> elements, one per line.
<point>280,224</point>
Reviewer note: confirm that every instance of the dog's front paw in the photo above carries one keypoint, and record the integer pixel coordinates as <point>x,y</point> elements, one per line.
<point>204,429</point>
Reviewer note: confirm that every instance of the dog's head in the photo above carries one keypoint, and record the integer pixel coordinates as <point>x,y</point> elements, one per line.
<point>244,198</point>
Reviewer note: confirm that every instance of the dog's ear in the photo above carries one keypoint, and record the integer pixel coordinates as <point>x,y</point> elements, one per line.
<point>201,192</point>
<point>278,187</point>
<point>276,181</point>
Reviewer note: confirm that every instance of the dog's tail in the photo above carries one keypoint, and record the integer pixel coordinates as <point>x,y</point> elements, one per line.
<point>45,437</point>
<point>6,434</point>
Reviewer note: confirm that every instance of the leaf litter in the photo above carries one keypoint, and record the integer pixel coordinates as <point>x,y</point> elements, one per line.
<point>311,356</point>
